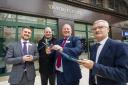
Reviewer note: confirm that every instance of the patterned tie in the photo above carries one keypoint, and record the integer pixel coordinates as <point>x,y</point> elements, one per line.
<point>59,57</point>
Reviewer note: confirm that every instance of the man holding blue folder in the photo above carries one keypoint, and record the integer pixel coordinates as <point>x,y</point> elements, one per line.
<point>68,71</point>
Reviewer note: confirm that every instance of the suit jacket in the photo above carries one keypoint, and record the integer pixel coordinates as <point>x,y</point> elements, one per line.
<point>112,65</point>
<point>46,61</point>
<point>71,70</point>
<point>14,56</point>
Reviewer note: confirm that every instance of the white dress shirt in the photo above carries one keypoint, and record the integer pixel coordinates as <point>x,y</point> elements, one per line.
<point>100,48</point>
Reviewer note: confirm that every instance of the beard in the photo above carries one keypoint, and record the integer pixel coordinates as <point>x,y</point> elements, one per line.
<point>26,37</point>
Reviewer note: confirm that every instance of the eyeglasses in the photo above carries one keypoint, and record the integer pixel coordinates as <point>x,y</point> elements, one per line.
<point>99,27</point>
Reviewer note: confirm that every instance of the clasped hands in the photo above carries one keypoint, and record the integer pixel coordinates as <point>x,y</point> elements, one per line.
<point>86,63</point>
<point>53,47</point>
<point>27,58</point>
<point>57,48</point>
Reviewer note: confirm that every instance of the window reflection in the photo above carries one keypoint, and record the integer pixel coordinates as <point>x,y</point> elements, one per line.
<point>38,34</point>
<point>9,36</point>
<point>29,19</point>
<point>11,32</point>
<point>7,17</point>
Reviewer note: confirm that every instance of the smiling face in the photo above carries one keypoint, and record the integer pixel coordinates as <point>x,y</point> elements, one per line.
<point>26,33</point>
<point>100,29</point>
<point>66,30</point>
<point>48,32</point>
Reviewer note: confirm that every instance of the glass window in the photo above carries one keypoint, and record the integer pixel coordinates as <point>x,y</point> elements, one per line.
<point>19,32</point>
<point>29,19</point>
<point>9,34</point>
<point>9,37</point>
<point>1,31</point>
<point>52,23</point>
<point>80,34</point>
<point>90,34</point>
<point>98,3</point>
<point>80,27</point>
<point>80,30</point>
<point>84,1</point>
<point>7,17</point>
<point>38,34</point>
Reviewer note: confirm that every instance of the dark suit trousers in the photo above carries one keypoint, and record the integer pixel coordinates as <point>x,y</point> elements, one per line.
<point>61,80</point>
<point>46,77</point>
<point>25,81</point>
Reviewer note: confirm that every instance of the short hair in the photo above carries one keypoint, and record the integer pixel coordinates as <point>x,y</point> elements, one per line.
<point>104,21</point>
<point>67,25</point>
<point>27,27</point>
<point>48,28</point>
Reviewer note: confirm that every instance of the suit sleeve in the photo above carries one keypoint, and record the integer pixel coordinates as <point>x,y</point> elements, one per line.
<point>118,72</point>
<point>36,54</point>
<point>10,59</point>
<point>76,48</point>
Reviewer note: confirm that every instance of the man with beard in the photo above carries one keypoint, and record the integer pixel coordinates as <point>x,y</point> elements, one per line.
<point>46,58</point>
<point>22,55</point>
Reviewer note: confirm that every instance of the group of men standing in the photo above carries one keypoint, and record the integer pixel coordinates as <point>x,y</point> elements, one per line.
<point>108,63</point>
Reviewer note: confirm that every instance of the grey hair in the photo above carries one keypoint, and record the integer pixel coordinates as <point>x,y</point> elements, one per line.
<point>104,21</point>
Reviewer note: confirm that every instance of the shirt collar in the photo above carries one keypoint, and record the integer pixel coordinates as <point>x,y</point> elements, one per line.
<point>103,41</point>
<point>24,41</point>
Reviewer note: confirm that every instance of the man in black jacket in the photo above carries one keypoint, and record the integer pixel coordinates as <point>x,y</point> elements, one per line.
<point>46,59</point>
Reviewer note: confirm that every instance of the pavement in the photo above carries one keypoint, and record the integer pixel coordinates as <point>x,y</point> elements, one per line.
<point>83,81</point>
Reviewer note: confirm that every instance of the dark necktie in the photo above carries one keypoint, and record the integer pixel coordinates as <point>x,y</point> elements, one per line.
<point>59,57</point>
<point>25,48</point>
<point>96,48</point>
<point>97,45</point>
<point>25,52</point>
<point>95,52</point>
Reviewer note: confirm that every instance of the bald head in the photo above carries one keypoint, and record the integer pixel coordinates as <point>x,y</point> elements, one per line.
<point>66,30</point>
<point>48,32</point>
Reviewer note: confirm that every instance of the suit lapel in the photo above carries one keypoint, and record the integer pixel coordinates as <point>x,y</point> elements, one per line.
<point>104,50</point>
<point>94,53</point>
<point>20,47</point>
<point>67,41</point>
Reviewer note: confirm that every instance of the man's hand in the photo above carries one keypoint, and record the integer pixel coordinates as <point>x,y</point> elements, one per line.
<point>86,63</point>
<point>27,58</point>
<point>57,47</point>
<point>48,50</point>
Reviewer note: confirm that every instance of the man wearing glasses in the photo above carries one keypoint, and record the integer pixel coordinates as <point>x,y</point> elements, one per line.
<point>108,63</point>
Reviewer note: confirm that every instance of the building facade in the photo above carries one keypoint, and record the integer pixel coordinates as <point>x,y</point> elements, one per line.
<point>80,14</point>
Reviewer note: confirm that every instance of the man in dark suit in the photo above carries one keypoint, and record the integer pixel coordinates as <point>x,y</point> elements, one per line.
<point>22,55</point>
<point>108,62</point>
<point>68,72</point>
<point>46,59</point>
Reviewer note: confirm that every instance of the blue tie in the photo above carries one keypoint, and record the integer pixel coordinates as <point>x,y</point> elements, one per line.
<point>24,48</point>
